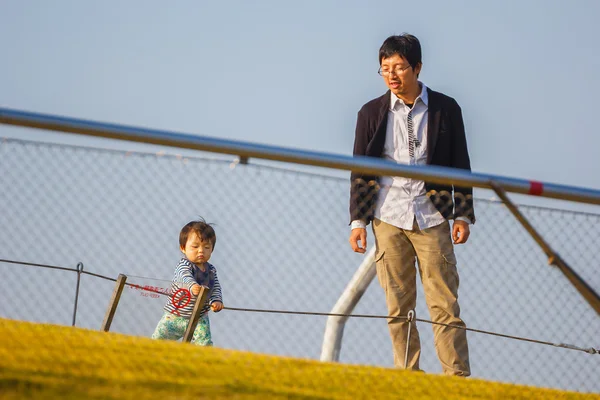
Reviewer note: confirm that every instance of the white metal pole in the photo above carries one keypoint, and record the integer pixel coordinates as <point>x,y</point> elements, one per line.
<point>334,330</point>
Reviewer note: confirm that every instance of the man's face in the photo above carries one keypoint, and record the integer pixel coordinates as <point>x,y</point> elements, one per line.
<point>399,76</point>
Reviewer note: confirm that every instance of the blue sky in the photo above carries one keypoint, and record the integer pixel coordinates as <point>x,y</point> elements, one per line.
<point>294,74</point>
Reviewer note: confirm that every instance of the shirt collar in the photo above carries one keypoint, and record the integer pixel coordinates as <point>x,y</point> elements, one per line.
<point>423,96</point>
<point>185,260</point>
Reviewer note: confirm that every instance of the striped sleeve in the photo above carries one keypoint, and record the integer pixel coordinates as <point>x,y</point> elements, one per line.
<point>216,294</point>
<point>184,276</point>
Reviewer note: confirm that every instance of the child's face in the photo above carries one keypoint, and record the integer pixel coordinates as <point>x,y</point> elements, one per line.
<point>196,250</point>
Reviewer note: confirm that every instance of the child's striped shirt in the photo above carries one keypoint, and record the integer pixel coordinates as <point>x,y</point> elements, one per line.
<point>187,274</point>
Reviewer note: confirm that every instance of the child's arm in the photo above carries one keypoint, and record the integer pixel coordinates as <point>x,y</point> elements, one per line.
<point>185,278</point>
<point>216,297</point>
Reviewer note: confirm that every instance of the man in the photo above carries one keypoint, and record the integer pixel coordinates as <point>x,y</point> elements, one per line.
<point>414,125</point>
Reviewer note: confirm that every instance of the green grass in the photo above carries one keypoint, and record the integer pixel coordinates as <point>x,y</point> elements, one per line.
<point>47,361</point>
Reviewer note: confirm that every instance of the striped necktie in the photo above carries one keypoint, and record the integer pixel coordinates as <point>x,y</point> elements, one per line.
<point>413,142</point>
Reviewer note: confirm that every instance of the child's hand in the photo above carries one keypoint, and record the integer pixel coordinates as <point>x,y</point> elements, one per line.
<point>195,289</point>
<point>216,306</point>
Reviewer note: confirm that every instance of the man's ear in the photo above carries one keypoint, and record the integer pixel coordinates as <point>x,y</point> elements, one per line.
<point>182,249</point>
<point>418,68</point>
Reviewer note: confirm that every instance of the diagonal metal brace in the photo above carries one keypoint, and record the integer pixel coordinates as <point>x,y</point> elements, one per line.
<point>588,293</point>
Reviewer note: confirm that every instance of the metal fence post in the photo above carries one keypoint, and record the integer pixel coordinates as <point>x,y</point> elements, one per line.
<point>200,301</point>
<point>79,271</point>
<point>114,302</point>
<point>411,317</point>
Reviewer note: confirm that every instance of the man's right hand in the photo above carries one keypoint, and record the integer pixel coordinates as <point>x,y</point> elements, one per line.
<point>358,235</point>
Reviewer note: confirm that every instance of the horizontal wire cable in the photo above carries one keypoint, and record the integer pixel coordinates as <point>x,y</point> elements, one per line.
<point>99,276</point>
<point>589,350</point>
<point>147,289</point>
<point>313,313</point>
<point>38,265</point>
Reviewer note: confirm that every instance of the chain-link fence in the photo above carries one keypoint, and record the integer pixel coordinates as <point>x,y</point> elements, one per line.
<point>282,245</point>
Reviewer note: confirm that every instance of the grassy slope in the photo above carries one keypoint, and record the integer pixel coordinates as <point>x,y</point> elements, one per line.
<point>48,361</point>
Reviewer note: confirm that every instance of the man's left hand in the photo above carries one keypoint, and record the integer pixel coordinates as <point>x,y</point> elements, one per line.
<point>460,232</point>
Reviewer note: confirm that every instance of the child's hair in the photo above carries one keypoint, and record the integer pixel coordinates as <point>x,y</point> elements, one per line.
<point>204,231</point>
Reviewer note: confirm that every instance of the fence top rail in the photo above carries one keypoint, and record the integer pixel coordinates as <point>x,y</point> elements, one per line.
<point>366,165</point>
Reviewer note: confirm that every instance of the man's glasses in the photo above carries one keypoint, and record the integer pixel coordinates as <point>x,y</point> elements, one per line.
<point>397,71</point>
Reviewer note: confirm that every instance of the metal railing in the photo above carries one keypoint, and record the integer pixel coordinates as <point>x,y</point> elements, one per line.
<point>246,150</point>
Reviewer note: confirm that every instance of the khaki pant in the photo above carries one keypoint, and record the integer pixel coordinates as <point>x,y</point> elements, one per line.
<point>395,259</point>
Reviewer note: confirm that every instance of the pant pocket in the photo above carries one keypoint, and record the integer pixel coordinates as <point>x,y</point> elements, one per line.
<point>451,272</point>
<point>381,270</point>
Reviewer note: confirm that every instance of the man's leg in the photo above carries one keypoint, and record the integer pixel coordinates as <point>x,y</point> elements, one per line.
<point>395,260</point>
<point>437,267</point>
